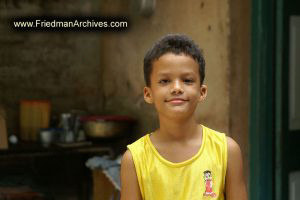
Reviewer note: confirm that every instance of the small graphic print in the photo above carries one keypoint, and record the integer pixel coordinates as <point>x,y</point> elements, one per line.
<point>208,184</point>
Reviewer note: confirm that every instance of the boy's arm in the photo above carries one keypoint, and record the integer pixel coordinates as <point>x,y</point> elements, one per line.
<point>235,188</point>
<point>130,189</point>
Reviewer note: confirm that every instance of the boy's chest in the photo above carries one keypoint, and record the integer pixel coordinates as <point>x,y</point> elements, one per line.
<point>197,180</point>
<point>177,153</point>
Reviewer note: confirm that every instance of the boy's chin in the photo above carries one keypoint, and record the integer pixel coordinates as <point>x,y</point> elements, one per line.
<point>179,114</point>
<point>183,110</point>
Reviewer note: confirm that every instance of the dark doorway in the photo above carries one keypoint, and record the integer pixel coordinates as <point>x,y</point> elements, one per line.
<point>274,110</point>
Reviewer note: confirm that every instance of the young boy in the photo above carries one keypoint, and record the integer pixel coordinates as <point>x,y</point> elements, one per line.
<point>181,160</point>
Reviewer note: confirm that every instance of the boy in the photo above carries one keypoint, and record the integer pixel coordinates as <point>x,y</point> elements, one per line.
<point>181,159</point>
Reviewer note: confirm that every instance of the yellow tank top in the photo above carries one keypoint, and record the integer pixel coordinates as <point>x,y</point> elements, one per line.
<point>200,177</point>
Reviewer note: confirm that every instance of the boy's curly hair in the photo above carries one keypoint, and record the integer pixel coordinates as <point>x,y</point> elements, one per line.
<point>177,44</point>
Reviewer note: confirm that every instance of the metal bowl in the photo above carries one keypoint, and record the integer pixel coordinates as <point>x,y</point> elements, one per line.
<point>106,126</point>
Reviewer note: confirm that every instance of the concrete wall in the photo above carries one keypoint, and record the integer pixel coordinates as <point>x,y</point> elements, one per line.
<point>221,28</point>
<point>102,72</point>
<point>62,67</point>
<point>240,25</point>
<point>207,22</point>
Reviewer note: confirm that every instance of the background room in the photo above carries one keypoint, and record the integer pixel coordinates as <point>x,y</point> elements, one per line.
<point>68,96</point>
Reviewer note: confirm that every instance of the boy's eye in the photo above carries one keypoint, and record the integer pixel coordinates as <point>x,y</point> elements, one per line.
<point>188,81</point>
<point>164,81</point>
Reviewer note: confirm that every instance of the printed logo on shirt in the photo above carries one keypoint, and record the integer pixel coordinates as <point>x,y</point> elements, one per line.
<point>208,184</point>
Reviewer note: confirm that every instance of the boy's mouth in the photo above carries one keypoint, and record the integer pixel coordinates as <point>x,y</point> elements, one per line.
<point>176,100</point>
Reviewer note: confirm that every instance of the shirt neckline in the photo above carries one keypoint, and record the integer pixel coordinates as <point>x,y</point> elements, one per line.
<point>183,163</point>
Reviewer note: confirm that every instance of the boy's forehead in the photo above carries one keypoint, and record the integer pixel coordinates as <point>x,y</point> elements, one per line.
<point>167,63</point>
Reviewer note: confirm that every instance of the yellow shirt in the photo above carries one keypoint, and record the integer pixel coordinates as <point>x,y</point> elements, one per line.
<point>200,177</point>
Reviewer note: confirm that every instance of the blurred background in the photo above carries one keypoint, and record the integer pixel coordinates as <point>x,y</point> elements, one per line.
<point>66,97</point>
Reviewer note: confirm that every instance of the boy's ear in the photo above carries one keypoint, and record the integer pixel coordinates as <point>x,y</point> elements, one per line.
<point>203,92</point>
<point>148,95</point>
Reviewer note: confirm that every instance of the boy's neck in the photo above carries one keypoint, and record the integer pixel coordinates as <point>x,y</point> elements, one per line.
<point>182,130</point>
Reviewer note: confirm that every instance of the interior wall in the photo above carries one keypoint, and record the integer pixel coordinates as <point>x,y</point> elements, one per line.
<point>62,67</point>
<point>240,24</point>
<point>222,30</point>
<point>103,72</point>
<point>207,22</point>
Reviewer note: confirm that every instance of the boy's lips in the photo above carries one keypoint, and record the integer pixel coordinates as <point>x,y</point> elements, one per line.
<point>176,100</point>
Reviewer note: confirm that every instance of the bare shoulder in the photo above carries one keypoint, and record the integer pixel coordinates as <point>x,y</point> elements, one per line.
<point>234,150</point>
<point>127,167</point>
<point>129,182</point>
<point>234,161</point>
<point>127,159</point>
<point>235,183</point>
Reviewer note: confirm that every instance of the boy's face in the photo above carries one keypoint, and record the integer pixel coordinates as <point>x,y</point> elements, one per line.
<point>175,86</point>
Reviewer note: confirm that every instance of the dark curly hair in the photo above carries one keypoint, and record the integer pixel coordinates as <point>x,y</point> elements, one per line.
<point>177,44</point>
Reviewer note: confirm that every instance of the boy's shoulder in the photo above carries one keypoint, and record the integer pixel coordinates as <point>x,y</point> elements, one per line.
<point>139,144</point>
<point>214,135</point>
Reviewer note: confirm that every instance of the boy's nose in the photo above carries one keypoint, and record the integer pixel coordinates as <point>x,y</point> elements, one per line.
<point>176,88</point>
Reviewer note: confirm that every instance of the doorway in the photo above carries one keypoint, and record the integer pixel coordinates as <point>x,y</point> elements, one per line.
<point>275,100</point>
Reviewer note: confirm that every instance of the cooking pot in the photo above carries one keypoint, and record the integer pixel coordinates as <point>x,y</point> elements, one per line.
<point>106,126</point>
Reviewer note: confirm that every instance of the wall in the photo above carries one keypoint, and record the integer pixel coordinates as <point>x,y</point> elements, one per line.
<point>122,53</point>
<point>62,67</point>
<point>221,28</point>
<point>102,72</point>
<point>240,24</point>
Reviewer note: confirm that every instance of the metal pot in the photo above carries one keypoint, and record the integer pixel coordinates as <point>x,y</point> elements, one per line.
<point>105,126</point>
